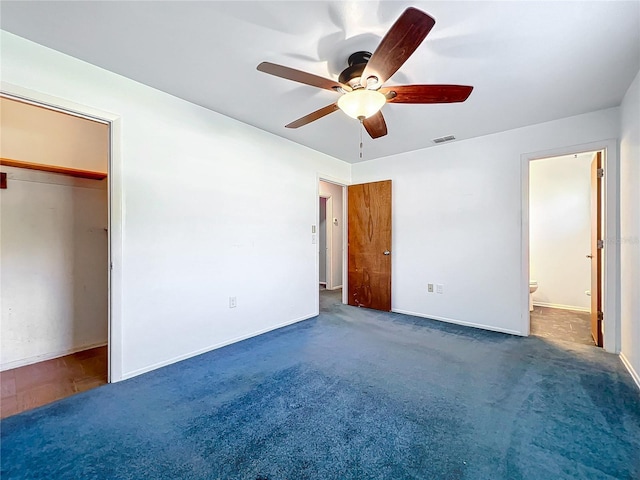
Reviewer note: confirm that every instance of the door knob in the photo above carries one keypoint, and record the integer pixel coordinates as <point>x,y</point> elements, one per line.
<point>589,256</point>
<point>386,252</point>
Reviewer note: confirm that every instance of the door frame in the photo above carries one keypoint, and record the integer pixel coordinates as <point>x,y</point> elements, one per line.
<point>611,271</point>
<point>343,184</point>
<point>596,259</point>
<point>115,204</point>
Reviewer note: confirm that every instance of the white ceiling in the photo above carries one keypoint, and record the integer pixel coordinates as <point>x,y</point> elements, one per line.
<point>529,61</point>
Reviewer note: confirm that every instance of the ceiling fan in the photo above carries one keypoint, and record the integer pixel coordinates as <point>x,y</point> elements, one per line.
<point>361,82</point>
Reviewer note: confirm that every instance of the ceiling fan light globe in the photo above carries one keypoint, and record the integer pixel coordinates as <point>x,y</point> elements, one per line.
<point>361,103</point>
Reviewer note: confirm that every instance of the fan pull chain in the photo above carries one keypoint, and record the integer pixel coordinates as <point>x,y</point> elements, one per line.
<point>361,128</point>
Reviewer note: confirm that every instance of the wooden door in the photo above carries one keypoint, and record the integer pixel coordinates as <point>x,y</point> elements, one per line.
<point>369,245</point>
<point>596,249</point>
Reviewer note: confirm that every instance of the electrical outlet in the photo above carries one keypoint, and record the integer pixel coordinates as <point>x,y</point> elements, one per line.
<point>233,303</point>
<point>439,288</point>
<point>430,287</point>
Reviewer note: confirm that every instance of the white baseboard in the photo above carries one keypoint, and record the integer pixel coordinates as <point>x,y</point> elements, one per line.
<point>461,322</point>
<point>634,374</point>
<point>336,288</point>
<point>195,353</point>
<point>46,356</point>
<point>561,307</point>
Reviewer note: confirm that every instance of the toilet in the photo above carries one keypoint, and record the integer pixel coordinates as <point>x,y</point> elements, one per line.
<point>533,286</point>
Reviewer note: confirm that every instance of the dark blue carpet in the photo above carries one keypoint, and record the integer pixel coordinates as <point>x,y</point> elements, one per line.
<point>351,394</point>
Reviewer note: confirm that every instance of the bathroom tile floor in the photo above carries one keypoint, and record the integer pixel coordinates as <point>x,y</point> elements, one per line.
<point>557,324</point>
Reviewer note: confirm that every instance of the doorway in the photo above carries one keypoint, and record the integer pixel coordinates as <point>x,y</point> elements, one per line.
<point>56,196</point>
<point>560,219</point>
<point>565,239</point>
<point>331,233</point>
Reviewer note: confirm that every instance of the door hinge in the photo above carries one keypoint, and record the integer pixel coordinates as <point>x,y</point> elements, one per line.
<point>600,172</point>
<point>111,265</point>
<point>600,316</point>
<point>600,244</point>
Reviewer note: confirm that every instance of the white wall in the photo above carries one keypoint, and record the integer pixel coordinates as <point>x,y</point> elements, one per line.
<point>337,231</point>
<point>53,265</point>
<point>560,230</point>
<point>38,135</point>
<point>457,220</point>
<point>630,227</point>
<point>196,228</point>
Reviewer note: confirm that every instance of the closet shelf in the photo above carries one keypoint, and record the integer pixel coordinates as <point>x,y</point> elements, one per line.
<point>73,172</point>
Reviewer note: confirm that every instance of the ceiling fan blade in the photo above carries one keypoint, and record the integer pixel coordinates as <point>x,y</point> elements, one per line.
<point>427,93</point>
<point>301,77</point>
<point>375,125</point>
<point>313,116</point>
<point>398,44</point>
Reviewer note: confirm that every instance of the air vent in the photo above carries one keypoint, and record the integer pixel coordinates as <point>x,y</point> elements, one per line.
<point>448,138</point>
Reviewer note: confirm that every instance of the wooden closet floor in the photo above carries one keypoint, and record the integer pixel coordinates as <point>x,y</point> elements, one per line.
<point>35,385</point>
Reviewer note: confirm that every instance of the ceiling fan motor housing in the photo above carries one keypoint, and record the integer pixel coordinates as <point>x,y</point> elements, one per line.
<point>351,75</point>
